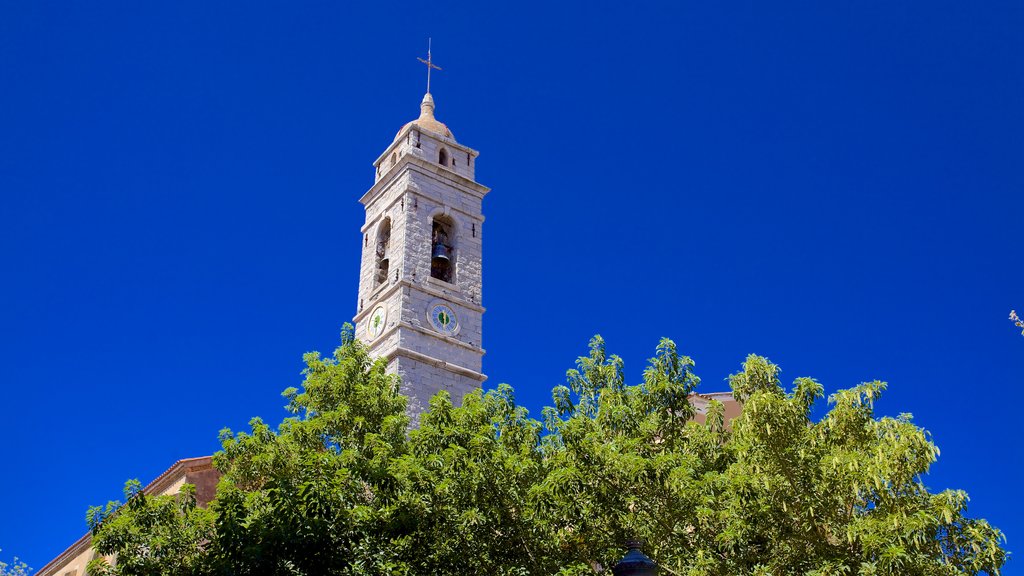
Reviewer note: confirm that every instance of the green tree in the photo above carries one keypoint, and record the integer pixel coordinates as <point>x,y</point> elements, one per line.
<point>342,487</point>
<point>463,491</point>
<point>150,534</point>
<point>15,568</point>
<point>312,497</point>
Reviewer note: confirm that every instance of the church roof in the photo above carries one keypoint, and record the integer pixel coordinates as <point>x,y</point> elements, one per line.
<point>427,121</point>
<point>197,471</point>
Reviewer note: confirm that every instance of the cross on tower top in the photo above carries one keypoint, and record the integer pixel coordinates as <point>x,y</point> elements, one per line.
<point>430,64</point>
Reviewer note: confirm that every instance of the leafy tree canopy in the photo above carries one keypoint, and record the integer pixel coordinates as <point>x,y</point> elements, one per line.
<point>343,487</point>
<point>14,568</point>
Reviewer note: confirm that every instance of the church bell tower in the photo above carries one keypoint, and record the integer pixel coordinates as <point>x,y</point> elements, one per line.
<point>420,278</point>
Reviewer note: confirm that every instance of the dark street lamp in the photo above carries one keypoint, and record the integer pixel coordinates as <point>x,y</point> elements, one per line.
<point>635,562</point>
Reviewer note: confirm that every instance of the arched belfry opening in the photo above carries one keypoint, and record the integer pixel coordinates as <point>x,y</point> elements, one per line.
<point>442,157</point>
<point>383,245</point>
<point>442,248</point>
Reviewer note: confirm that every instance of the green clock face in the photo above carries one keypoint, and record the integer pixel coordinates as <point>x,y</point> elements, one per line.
<point>443,319</point>
<point>378,318</point>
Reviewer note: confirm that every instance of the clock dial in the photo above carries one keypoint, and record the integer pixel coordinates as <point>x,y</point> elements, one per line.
<point>443,319</point>
<point>378,318</point>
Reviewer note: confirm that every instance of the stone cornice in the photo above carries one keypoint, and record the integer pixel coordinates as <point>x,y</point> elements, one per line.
<point>410,162</point>
<point>422,287</point>
<point>412,354</point>
<point>427,332</point>
<point>372,222</point>
<point>73,551</point>
<point>170,476</point>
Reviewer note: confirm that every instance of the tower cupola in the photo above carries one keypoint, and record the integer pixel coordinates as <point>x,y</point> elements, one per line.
<point>426,121</point>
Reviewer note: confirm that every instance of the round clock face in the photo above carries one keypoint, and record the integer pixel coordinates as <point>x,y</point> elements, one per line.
<point>443,319</point>
<point>378,318</point>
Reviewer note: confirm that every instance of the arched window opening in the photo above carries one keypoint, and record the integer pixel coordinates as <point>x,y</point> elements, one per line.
<point>442,249</point>
<point>394,158</point>
<point>383,243</point>
<point>442,157</point>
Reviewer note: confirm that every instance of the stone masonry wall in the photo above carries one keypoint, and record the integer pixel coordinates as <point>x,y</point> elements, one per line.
<point>421,381</point>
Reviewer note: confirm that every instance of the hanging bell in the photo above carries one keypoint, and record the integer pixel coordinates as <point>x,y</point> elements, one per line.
<point>441,252</point>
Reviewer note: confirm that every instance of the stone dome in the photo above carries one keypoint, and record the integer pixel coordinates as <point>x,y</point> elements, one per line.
<point>427,121</point>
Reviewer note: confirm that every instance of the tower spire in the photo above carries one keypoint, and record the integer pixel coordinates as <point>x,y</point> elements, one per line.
<point>430,64</point>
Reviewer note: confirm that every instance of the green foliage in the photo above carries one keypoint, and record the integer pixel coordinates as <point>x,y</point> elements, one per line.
<point>342,487</point>
<point>150,534</point>
<point>303,499</point>
<point>15,568</point>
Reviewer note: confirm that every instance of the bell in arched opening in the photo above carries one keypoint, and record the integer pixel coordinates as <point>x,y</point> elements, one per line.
<point>383,242</point>
<point>441,251</point>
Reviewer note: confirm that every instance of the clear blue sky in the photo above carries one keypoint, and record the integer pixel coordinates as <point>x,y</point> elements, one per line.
<point>835,185</point>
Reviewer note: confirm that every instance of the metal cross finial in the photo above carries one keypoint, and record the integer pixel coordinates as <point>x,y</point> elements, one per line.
<point>430,64</point>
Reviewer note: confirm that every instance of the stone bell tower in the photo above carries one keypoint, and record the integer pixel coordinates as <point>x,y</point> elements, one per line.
<point>420,280</point>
